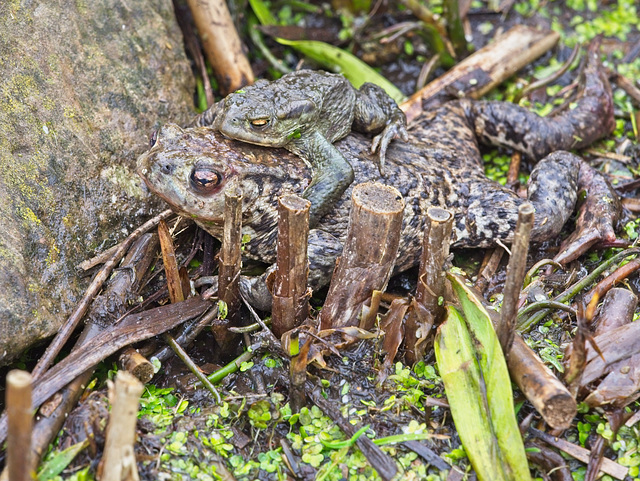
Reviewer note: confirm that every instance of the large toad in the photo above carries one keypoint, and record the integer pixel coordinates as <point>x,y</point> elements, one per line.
<point>440,166</point>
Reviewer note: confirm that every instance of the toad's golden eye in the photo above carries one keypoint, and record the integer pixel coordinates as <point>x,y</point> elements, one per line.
<point>260,122</point>
<point>205,180</point>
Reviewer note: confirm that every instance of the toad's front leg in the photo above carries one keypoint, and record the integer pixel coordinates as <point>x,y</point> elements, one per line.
<point>332,174</point>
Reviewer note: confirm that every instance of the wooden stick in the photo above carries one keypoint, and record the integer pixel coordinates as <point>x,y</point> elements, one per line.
<point>379,460</point>
<point>368,256</point>
<point>129,467</point>
<point>229,268</point>
<point>516,270</point>
<point>298,371</point>
<point>489,66</point>
<point>290,292</point>
<point>426,306</point>
<point>176,295</point>
<point>221,44</point>
<point>132,361</point>
<point>18,400</point>
<point>544,390</point>
<point>72,322</point>
<point>514,169</point>
<point>193,367</point>
<point>121,431</point>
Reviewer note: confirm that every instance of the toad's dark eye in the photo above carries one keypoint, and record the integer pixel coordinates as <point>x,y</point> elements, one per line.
<point>153,139</point>
<point>259,123</point>
<point>205,180</point>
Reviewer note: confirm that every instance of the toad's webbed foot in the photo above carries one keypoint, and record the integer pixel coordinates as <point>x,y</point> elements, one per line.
<point>395,130</point>
<point>597,216</point>
<point>553,189</point>
<point>375,112</point>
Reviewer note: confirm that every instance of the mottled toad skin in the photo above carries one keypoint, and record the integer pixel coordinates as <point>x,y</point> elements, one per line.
<point>305,112</point>
<point>440,166</point>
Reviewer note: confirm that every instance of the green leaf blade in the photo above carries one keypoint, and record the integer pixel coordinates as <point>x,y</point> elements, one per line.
<point>493,389</point>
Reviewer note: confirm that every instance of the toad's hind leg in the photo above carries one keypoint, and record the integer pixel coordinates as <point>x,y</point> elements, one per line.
<point>332,174</point>
<point>493,210</point>
<point>553,191</point>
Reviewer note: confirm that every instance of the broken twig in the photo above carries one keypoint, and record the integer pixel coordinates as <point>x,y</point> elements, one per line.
<point>427,306</point>
<point>290,292</point>
<point>18,400</point>
<point>121,432</point>
<point>506,328</point>
<point>368,256</point>
<point>221,44</point>
<point>72,322</point>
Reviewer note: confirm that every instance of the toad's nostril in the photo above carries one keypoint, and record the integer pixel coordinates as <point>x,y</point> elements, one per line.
<point>167,168</point>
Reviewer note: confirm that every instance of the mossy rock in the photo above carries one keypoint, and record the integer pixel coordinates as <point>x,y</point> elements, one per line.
<point>83,86</point>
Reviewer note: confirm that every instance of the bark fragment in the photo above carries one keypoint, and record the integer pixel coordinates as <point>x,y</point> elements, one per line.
<point>480,72</point>
<point>544,390</point>
<point>121,431</point>
<point>506,328</point>
<point>229,269</point>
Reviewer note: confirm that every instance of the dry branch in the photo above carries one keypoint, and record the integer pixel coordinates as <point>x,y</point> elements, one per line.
<point>131,329</point>
<point>489,66</point>
<point>18,400</point>
<point>506,328</point>
<point>290,292</point>
<point>547,394</point>
<point>368,256</point>
<point>221,44</point>
<point>105,310</point>
<point>581,454</point>
<point>72,322</point>
<point>121,431</point>
<point>174,284</point>
<point>425,307</point>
